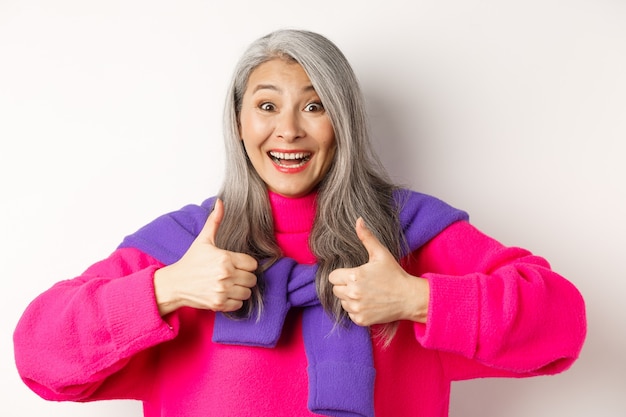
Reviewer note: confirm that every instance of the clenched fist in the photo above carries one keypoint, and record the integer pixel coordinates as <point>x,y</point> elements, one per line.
<point>379,291</point>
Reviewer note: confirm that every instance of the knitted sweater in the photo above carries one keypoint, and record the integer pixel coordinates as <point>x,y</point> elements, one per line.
<point>494,311</point>
<point>340,367</point>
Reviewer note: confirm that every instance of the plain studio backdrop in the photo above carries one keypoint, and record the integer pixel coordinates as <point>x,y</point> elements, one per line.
<point>110,114</point>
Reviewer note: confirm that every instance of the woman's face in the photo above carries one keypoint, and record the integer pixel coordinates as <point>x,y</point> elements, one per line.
<point>285,130</point>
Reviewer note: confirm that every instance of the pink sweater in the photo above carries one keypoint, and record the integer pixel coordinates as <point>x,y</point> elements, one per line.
<point>494,311</point>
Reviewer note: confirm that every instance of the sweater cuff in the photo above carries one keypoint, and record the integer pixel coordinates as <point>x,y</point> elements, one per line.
<point>341,389</point>
<point>453,315</point>
<point>132,316</point>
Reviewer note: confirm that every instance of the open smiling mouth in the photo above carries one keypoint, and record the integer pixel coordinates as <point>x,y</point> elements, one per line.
<point>290,160</point>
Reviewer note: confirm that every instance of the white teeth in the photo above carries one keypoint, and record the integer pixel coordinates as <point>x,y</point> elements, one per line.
<point>280,157</point>
<point>283,155</point>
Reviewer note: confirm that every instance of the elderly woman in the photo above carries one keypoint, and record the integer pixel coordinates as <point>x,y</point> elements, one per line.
<point>311,285</point>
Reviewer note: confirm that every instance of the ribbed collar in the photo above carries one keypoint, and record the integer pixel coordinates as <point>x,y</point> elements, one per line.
<point>293,215</point>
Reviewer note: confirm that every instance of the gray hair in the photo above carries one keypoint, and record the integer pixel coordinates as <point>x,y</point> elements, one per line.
<point>355,186</point>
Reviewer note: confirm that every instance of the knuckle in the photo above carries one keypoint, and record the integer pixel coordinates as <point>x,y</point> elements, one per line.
<point>217,295</point>
<point>356,309</point>
<point>355,292</point>
<point>220,288</point>
<point>223,272</point>
<point>358,319</point>
<point>222,259</point>
<point>218,305</point>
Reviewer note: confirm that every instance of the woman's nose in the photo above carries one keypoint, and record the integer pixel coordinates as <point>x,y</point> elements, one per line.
<point>289,126</point>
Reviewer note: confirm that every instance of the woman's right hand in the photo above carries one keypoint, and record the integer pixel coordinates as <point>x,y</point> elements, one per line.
<point>206,277</point>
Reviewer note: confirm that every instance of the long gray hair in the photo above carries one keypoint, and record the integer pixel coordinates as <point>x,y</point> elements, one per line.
<point>355,186</point>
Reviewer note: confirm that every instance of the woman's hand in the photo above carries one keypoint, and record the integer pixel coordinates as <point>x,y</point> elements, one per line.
<point>379,291</point>
<point>206,277</point>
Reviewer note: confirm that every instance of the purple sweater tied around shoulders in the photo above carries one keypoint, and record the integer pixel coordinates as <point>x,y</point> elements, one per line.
<point>341,369</point>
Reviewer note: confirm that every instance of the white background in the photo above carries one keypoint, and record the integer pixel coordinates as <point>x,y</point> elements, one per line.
<point>110,114</point>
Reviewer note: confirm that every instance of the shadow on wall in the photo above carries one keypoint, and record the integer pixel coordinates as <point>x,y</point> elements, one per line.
<point>400,155</point>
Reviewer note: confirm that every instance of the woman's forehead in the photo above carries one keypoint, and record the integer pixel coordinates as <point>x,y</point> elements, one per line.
<point>278,74</point>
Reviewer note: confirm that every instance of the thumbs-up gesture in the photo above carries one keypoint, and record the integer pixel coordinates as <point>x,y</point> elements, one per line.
<point>379,291</point>
<point>206,277</point>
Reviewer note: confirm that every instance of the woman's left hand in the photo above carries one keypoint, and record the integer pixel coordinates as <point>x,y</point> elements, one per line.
<point>379,291</point>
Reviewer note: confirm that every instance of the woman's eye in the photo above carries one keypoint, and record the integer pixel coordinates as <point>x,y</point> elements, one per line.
<point>267,107</point>
<point>314,107</point>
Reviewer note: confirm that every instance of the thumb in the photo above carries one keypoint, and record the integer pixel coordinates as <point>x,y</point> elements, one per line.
<point>209,230</point>
<point>370,242</point>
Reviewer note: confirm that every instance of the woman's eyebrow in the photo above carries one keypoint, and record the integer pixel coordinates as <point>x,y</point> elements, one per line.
<point>266,87</point>
<point>272,87</point>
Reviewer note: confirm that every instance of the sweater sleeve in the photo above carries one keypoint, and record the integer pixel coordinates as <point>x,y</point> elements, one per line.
<point>496,310</point>
<point>79,336</point>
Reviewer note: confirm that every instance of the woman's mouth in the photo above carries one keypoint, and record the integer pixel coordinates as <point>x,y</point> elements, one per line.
<point>290,160</point>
